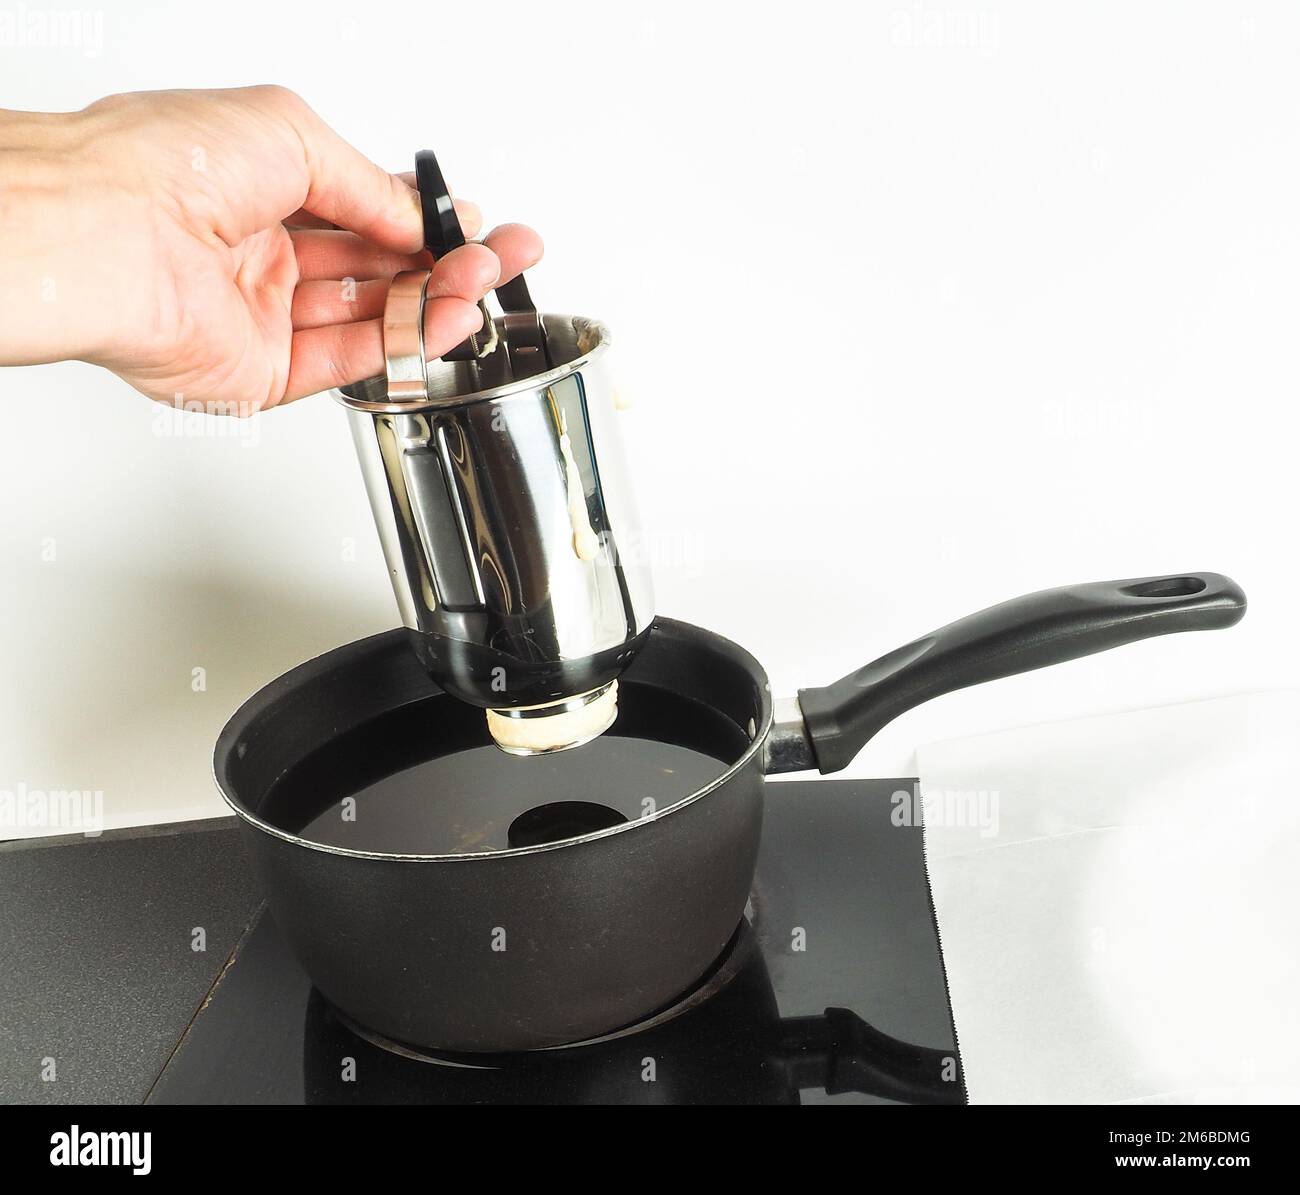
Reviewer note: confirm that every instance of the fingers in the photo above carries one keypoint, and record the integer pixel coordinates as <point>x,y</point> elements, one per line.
<point>344,187</point>
<point>319,304</point>
<point>344,353</point>
<point>338,333</point>
<point>328,254</point>
<point>302,218</point>
<point>516,246</point>
<point>468,273</point>
<point>471,219</point>
<point>324,253</point>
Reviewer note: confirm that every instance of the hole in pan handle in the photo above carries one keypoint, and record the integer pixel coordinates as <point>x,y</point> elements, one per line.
<point>1024,634</point>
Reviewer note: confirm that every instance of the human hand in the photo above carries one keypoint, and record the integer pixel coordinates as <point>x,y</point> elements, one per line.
<point>183,240</point>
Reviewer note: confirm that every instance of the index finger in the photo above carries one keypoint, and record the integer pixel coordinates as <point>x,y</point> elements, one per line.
<point>344,187</point>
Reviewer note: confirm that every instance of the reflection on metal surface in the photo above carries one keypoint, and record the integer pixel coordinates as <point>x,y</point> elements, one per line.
<point>787,747</point>
<point>555,726</point>
<point>481,488</point>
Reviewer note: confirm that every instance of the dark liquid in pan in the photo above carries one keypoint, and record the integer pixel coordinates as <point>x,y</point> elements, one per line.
<point>427,780</point>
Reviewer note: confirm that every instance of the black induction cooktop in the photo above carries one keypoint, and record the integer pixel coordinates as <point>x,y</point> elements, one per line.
<point>141,965</point>
<point>832,990</point>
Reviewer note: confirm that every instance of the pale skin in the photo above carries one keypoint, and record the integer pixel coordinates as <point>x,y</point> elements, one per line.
<point>222,249</point>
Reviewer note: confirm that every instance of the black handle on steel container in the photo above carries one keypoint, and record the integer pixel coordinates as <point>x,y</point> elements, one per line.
<point>442,234</point>
<point>1026,633</point>
<point>442,231</point>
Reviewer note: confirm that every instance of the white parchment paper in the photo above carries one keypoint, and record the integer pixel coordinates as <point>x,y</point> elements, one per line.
<point>1119,903</point>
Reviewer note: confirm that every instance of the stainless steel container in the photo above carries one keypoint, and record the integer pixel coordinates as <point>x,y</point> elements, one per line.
<point>500,493</point>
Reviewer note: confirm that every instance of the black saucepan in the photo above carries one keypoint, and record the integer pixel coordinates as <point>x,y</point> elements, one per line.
<point>608,894</point>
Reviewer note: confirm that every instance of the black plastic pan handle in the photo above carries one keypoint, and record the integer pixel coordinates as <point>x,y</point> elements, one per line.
<point>1026,633</point>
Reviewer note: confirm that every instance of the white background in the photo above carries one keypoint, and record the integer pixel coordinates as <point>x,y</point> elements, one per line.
<point>920,306</point>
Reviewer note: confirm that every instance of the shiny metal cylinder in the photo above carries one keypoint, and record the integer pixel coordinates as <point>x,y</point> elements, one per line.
<point>506,518</point>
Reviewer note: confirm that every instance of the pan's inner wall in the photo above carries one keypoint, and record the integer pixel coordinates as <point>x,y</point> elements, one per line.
<point>365,720</point>
<point>425,779</point>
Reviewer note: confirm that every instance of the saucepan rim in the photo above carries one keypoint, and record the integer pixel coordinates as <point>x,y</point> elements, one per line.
<point>763,727</point>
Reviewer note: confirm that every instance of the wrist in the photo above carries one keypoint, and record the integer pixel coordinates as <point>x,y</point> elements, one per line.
<point>56,226</point>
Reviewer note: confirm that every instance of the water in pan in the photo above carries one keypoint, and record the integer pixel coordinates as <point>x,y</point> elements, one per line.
<point>426,779</point>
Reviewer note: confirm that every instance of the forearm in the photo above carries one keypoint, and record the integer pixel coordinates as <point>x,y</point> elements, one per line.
<point>56,290</point>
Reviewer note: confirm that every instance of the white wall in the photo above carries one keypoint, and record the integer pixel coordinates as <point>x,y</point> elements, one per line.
<point>952,303</point>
